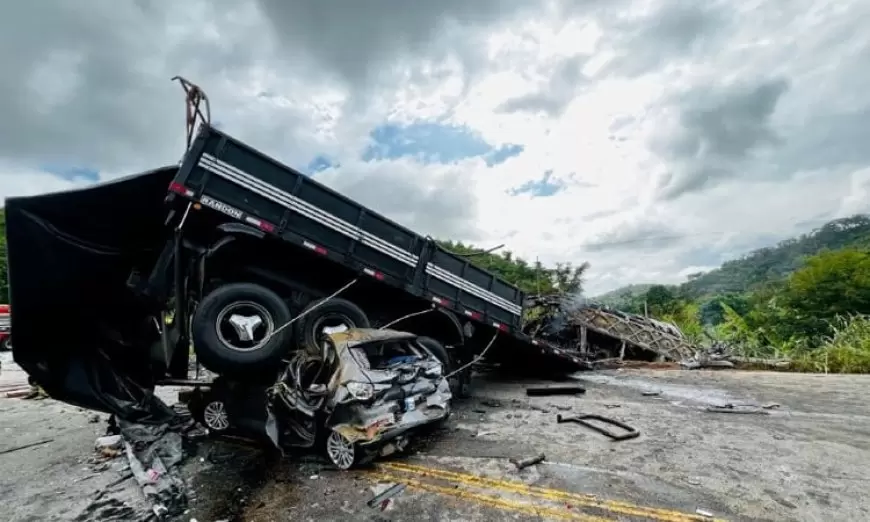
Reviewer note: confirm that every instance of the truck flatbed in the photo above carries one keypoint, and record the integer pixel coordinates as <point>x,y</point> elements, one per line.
<point>227,175</point>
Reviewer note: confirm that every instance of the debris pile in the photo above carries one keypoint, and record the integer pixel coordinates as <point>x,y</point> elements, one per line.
<point>609,338</point>
<point>722,355</point>
<point>150,455</point>
<point>601,334</point>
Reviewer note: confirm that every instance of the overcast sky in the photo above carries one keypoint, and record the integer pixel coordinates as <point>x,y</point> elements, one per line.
<point>652,138</point>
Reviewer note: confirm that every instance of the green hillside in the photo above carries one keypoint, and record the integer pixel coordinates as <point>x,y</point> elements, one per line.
<point>775,262</point>
<point>760,266</point>
<point>617,298</point>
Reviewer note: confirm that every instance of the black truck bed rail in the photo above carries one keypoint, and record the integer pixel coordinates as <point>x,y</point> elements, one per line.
<point>282,201</point>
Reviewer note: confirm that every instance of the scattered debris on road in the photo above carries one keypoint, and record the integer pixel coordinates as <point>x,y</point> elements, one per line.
<point>733,408</point>
<point>25,446</point>
<point>630,433</point>
<point>530,461</point>
<point>544,391</point>
<point>704,513</point>
<point>382,500</point>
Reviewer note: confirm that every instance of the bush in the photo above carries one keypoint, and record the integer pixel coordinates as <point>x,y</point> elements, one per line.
<point>846,351</point>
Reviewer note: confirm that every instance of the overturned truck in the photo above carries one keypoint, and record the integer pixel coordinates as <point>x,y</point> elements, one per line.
<point>243,262</point>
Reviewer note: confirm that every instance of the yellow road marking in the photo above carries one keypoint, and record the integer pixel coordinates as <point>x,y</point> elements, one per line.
<point>491,501</point>
<point>554,495</point>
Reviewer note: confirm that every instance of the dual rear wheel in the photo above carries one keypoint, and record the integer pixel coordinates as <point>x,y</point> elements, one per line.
<point>241,329</point>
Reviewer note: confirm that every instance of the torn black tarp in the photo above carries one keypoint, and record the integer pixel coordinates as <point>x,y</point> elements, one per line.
<point>79,331</point>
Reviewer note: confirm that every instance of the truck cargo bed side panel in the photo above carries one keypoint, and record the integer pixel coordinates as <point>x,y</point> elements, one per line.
<point>236,174</point>
<point>476,288</point>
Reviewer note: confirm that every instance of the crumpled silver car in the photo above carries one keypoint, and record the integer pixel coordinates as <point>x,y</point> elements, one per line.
<point>363,396</point>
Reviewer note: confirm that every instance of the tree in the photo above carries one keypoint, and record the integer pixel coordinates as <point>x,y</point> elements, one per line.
<point>830,285</point>
<point>712,310</point>
<point>661,300</point>
<point>534,278</point>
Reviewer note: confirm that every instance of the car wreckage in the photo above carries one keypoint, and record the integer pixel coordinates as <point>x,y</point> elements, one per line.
<point>362,396</point>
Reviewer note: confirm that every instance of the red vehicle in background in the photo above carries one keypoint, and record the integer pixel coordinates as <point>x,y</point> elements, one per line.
<point>5,329</point>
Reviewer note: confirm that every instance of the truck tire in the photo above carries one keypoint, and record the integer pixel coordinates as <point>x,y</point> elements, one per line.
<point>438,351</point>
<point>333,313</point>
<point>460,384</point>
<point>233,329</point>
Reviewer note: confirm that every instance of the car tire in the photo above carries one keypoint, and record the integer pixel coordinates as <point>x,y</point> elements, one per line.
<point>336,310</point>
<point>234,329</point>
<point>6,345</point>
<point>341,452</point>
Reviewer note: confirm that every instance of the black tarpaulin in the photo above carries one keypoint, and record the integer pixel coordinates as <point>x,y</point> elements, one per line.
<point>79,331</point>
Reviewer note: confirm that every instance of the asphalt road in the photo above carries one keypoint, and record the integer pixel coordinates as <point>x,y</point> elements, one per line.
<point>807,459</point>
<point>13,380</point>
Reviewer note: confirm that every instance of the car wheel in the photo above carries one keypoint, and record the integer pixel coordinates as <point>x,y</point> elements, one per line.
<point>334,315</point>
<point>6,345</point>
<point>215,416</point>
<point>236,329</point>
<point>341,451</point>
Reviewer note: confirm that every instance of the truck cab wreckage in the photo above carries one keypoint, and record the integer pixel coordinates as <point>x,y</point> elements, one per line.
<point>246,263</point>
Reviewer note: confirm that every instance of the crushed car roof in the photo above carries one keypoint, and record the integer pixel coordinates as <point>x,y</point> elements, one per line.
<point>356,336</point>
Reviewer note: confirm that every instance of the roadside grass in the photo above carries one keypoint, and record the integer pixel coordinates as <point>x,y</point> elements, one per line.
<point>846,351</point>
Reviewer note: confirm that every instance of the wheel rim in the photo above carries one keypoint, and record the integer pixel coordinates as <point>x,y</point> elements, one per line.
<point>332,323</point>
<point>340,450</point>
<point>215,416</point>
<point>244,326</point>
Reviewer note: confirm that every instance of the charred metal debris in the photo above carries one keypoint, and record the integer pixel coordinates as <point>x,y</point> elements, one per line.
<point>603,335</point>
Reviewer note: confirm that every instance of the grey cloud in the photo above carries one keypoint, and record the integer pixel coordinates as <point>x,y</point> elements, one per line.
<point>565,81</point>
<point>92,86</point>
<point>621,122</point>
<point>830,141</point>
<point>718,128</point>
<point>676,29</point>
<point>600,214</point>
<point>637,233</point>
<point>360,41</point>
<point>69,80</point>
